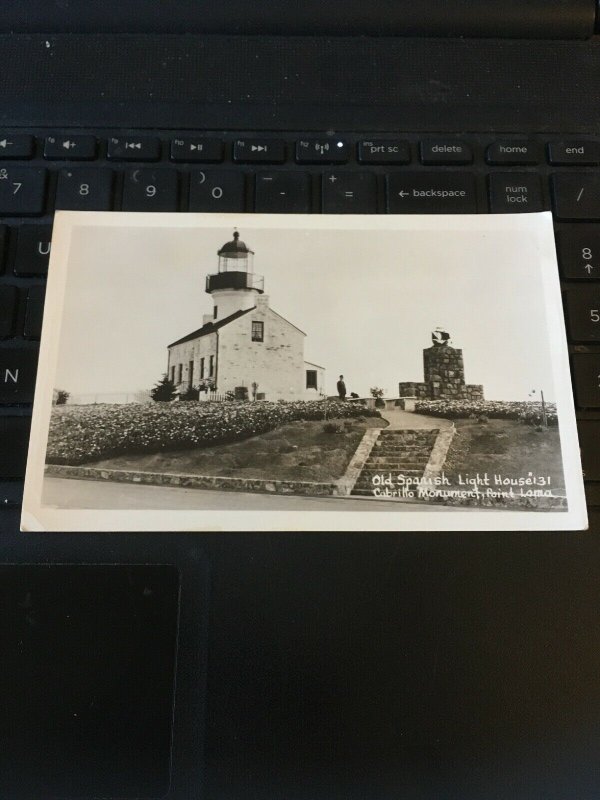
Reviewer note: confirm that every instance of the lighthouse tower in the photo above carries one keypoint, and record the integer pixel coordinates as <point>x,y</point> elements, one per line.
<point>234,287</point>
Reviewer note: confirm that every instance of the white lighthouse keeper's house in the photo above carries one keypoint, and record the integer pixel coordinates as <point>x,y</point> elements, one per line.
<point>244,342</point>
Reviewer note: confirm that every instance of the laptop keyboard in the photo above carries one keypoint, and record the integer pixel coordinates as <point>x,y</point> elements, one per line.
<point>334,173</point>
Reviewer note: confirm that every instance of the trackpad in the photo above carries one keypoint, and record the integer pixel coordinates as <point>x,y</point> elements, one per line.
<point>89,655</point>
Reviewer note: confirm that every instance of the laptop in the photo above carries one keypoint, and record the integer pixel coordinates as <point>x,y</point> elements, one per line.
<point>297,665</point>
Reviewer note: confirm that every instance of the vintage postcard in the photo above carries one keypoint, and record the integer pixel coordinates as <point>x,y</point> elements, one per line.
<point>203,372</point>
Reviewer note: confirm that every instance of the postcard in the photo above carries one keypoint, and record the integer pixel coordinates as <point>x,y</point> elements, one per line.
<point>207,372</point>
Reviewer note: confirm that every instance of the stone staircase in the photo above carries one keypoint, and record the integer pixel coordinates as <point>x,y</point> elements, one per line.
<point>396,452</point>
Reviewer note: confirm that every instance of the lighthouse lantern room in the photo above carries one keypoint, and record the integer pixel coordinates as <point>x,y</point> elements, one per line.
<point>235,286</point>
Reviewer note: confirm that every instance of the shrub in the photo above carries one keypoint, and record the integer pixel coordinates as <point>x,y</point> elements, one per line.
<point>79,434</point>
<point>528,412</point>
<point>192,393</point>
<point>332,427</point>
<point>164,391</point>
<point>62,397</point>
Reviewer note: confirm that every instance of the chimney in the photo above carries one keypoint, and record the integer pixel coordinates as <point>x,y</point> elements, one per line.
<point>262,303</point>
<point>206,318</point>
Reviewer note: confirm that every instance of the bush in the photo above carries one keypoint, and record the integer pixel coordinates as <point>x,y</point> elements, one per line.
<point>192,393</point>
<point>164,391</point>
<point>332,427</point>
<point>484,410</point>
<point>79,434</point>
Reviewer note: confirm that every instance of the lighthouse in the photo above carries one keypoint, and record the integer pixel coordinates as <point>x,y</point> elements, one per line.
<point>234,287</point>
<point>244,349</point>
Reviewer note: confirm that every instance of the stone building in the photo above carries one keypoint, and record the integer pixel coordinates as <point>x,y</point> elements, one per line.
<point>444,374</point>
<point>244,346</point>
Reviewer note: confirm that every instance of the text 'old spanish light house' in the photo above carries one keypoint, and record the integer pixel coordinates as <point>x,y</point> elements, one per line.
<point>244,342</point>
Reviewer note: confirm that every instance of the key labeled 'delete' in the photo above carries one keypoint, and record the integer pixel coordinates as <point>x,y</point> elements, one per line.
<point>431,193</point>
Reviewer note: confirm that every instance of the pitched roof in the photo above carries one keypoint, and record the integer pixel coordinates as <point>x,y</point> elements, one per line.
<point>211,327</point>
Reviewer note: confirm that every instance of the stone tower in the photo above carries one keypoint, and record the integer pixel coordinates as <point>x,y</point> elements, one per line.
<point>444,374</point>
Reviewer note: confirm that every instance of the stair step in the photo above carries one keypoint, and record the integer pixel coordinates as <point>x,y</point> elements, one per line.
<point>386,448</point>
<point>398,466</point>
<point>408,435</point>
<point>401,452</point>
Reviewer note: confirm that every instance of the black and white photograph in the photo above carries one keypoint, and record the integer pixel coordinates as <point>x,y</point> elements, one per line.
<point>265,371</point>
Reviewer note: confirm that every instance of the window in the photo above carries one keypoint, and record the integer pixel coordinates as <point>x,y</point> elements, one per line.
<point>311,378</point>
<point>201,368</point>
<point>211,367</point>
<point>180,373</point>
<point>215,312</point>
<point>258,331</point>
<point>173,374</point>
<point>191,374</point>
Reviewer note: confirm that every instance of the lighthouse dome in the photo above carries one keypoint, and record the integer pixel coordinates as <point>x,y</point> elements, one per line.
<point>236,248</point>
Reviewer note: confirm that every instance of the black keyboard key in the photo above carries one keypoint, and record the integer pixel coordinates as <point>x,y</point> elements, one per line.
<point>3,241</point>
<point>18,367</point>
<point>85,189</point>
<point>586,378</point>
<point>34,311</point>
<point>349,193</point>
<point>134,148</point>
<point>322,151</point>
<point>282,193</point>
<point>265,151</point>
<point>150,190</point>
<point>445,151</point>
<point>9,298</point>
<point>513,192</point>
<point>383,151</point>
<point>574,153</point>
<point>14,436</point>
<point>512,152</point>
<point>589,442</point>
<point>583,313</point>
<point>431,193</point>
<point>22,191</point>
<point>217,191</point>
<point>197,150</point>
<point>33,249</point>
<point>70,148</point>
<point>576,195</point>
<point>19,145</point>
<point>579,252</point>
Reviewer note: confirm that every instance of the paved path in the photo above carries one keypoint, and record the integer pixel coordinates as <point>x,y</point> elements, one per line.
<point>73,493</point>
<point>403,420</point>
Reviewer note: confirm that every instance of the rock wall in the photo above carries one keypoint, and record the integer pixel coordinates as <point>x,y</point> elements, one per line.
<point>444,374</point>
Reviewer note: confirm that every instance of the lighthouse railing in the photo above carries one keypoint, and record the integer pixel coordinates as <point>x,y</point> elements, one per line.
<point>234,280</point>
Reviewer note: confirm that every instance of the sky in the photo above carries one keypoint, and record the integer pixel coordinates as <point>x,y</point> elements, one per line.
<point>367,300</point>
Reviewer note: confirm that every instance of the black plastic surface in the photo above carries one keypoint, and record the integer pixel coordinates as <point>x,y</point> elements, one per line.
<point>426,666</point>
<point>310,83</point>
<point>515,18</point>
<point>88,656</point>
<point>383,666</point>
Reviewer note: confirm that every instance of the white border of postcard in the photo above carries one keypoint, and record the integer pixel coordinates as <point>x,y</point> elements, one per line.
<point>36,517</point>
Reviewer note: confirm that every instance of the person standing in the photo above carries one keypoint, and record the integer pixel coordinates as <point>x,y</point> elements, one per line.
<point>341,388</point>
